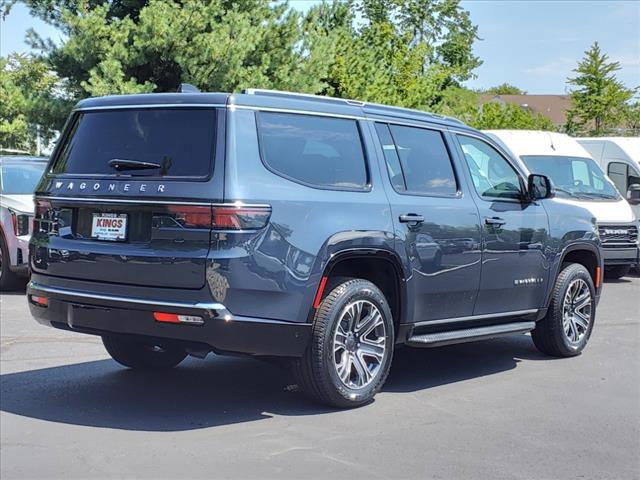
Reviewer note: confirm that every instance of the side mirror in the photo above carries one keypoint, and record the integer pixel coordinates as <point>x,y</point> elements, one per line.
<point>633,194</point>
<point>539,187</point>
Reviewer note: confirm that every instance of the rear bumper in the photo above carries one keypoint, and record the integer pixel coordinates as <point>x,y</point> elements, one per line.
<point>620,256</point>
<point>100,314</point>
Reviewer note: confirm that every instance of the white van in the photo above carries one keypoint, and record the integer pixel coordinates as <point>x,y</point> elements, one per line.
<point>579,180</point>
<point>619,157</point>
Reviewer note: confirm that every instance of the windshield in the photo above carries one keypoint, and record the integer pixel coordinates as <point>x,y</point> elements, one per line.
<point>20,178</point>
<point>573,177</point>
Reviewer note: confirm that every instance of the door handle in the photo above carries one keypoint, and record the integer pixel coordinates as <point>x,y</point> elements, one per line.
<point>411,218</point>
<point>495,221</point>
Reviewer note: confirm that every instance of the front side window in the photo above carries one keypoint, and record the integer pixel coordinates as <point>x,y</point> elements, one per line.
<point>492,175</point>
<point>618,173</point>
<point>318,151</point>
<point>417,160</point>
<point>572,177</point>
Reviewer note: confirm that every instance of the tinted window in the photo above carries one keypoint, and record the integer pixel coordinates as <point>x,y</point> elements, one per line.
<point>319,151</point>
<point>577,177</point>
<point>491,173</point>
<point>618,174</point>
<point>391,157</point>
<point>21,178</point>
<point>425,160</point>
<point>180,140</point>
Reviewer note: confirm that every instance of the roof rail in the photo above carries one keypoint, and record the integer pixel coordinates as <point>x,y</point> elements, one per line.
<point>303,96</point>
<point>359,103</point>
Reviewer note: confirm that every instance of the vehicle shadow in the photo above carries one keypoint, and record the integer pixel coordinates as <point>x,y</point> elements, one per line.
<point>222,390</point>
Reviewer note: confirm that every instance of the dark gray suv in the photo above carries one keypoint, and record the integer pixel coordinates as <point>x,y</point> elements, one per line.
<point>319,230</point>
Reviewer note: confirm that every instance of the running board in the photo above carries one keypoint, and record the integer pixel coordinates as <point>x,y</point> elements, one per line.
<point>469,335</point>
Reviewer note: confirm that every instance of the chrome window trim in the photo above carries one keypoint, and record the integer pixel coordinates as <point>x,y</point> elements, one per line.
<point>150,202</point>
<point>295,111</point>
<point>515,313</point>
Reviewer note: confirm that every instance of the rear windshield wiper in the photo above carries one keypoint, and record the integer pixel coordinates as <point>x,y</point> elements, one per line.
<point>122,164</point>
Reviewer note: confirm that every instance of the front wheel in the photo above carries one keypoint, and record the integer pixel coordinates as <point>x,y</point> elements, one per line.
<point>140,354</point>
<point>351,348</point>
<point>565,330</point>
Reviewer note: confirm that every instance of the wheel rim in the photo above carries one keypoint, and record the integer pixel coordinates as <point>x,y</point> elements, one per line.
<point>577,311</point>
<point>359,344</point>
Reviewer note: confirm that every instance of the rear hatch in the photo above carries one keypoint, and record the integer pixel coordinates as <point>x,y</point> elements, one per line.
<point>128,198</point>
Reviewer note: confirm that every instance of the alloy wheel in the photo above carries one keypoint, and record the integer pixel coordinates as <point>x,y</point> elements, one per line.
<point>577,311</point>
<point>359,344</point>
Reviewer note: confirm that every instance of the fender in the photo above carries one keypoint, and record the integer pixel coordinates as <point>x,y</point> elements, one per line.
<point>555,270</point>
<point>354,244</point>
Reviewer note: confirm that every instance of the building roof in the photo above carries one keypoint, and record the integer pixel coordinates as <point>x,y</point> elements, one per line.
<point>553,107</point>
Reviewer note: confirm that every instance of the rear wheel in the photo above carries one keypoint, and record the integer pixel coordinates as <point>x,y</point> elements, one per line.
<point>617,271</point>
<point>350,353</point>
<point>8,280</point>
<point>565,330</point>
<point>141,354</point>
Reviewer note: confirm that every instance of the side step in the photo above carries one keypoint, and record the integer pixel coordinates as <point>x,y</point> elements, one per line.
<point>469,335</point>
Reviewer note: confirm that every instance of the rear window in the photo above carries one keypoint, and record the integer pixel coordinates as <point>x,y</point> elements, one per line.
<point>179,140</point>
<point>318,151</point>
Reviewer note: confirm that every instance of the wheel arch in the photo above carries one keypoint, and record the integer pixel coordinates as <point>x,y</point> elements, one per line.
<point>380,266</point>
<point>585,254</point>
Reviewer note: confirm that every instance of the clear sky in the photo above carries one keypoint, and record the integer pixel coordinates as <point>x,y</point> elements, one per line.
<point>531,44</point>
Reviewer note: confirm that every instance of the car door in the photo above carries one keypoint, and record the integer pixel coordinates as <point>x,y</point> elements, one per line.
<point>515,232</point>
<point>437,225</point>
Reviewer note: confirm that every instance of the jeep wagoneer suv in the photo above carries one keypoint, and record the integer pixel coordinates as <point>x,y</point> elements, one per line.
<point>321,230</point>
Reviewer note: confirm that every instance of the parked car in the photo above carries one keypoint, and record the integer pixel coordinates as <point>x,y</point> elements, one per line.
<point>19,176</point>
<point>324,231</point>
<point>579,180</point>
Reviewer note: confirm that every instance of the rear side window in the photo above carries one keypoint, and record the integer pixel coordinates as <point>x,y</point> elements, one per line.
<point>417,160</point>
<point>180,141</point>
<point>318,151</point>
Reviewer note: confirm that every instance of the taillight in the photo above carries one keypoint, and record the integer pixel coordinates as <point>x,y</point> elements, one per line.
<point>191,216</point>
<point>222,217</point>
<point>41,220</point>
<point>240,217</point>
<point>38,300</point>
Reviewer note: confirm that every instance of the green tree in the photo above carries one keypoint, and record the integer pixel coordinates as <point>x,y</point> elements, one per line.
<point>632,118</point>
<point>504,89</point>
<point>599,98</point>
<point>497,115</point>
<point>31,103</point>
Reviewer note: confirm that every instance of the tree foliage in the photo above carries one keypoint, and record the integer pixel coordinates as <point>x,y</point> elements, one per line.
<point>599,98</point>
<point>498,115</point>
<point>504,89</point>
<point>31,103</point>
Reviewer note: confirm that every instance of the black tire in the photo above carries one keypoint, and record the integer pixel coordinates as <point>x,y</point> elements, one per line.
<point>9,281</point>
<point>316,372</point>
<point>617,271</point>
<point>142,355</point>
<point>549,335</point>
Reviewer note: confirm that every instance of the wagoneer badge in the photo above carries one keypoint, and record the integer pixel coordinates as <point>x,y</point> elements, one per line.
<point>110,187</point>
<point>615,231</point>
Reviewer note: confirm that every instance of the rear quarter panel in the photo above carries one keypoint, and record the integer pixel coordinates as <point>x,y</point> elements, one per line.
<point>274,274</point>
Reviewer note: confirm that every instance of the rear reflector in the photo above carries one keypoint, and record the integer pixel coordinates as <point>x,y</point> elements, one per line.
<point>318,299</point>
<point>40,301</point>
<point>175,318</point>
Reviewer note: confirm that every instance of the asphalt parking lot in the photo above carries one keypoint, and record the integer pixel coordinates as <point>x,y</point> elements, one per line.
<point>494,409</point>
